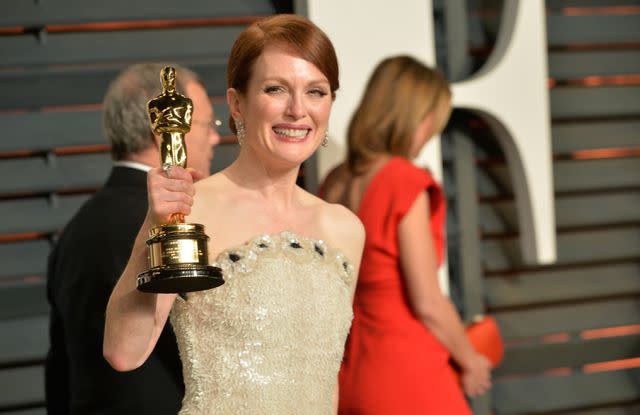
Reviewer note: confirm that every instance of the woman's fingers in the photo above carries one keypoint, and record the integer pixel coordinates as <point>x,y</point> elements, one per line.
<point>477,380</point>
<point>195,174</point>
<point>163,200</point>
<point>170,191</point>
<point>174,179</point>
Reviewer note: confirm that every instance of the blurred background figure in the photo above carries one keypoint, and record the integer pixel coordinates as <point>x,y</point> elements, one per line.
<point>94,248</point>
<point>405,329</point>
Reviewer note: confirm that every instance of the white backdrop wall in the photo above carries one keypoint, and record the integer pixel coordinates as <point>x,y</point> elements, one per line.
<point>510,91</point>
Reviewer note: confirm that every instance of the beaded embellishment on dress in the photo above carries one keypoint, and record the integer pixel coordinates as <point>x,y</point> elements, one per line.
<point>270,340</point>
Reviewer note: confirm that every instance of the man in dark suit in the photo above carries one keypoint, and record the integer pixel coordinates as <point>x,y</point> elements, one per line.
<point>94,248</point>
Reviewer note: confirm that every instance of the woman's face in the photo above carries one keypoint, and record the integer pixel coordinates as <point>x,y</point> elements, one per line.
<point>285,109</point>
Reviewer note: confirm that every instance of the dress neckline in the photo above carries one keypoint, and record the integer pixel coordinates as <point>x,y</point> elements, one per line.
<point>292,237</point>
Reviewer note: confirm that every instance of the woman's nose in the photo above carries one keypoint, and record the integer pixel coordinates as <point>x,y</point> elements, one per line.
<point>296,108</point>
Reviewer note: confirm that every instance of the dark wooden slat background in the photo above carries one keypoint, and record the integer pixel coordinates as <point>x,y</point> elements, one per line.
<point>572,328</point>
<point>58,58</point>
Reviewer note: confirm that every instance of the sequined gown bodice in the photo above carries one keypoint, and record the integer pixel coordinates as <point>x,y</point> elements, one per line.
<point>270,339</point>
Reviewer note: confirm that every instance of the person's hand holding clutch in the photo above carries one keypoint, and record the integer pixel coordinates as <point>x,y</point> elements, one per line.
<point>476,378</point>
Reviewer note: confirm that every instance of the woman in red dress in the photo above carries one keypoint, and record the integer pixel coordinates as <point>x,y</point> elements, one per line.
<point>404,329</point>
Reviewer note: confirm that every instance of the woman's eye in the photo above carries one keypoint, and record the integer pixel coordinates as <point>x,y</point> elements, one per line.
<point>273,89</point>
<point>318,92</point>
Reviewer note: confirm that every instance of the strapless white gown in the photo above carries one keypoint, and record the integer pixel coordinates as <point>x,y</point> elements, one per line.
<point>270,339</point>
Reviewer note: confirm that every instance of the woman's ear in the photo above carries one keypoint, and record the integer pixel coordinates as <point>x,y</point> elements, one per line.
<point>233,101</point>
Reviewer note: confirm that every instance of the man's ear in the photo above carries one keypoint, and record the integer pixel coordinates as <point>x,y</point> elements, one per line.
<point>233,101</point>
<point>156,139</point>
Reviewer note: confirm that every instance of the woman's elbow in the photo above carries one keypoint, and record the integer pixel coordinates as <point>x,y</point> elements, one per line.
<point>425,311</point>
<point>118,360</point>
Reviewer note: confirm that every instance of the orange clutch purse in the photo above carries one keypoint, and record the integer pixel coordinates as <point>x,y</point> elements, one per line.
<point>485,337</point>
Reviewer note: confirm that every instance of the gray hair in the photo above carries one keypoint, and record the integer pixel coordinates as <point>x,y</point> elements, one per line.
<point>125,120</point>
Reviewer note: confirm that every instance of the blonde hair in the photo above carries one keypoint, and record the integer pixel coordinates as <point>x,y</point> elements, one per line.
<point>399,95</point>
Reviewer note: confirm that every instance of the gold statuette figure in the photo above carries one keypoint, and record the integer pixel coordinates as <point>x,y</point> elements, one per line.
<point>178,254</point>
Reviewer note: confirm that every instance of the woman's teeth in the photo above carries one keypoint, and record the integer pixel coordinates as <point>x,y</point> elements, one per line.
<point>291,132</point>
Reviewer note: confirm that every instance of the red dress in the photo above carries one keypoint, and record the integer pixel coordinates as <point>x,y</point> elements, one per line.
<point>392,363</point>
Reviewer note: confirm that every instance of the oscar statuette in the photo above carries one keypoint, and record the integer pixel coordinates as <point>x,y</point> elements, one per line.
<point>178,254</point>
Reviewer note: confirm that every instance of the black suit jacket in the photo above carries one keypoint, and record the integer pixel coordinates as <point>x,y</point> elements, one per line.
<point>84,266</point>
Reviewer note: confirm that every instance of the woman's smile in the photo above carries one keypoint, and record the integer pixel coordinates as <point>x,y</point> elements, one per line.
<point>291,134</point>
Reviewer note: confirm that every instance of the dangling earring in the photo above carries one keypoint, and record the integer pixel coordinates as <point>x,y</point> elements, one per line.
<point>325,140</point>
<point>241,133</point>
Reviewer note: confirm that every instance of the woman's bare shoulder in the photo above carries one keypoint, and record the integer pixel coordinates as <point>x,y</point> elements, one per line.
<point>328,214</point>
<point>341,228</point>
<point>336,215</point>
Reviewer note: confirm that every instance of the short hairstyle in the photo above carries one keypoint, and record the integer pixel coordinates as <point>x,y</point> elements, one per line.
<point>291,32</point>
<point>124,119</point>
<point>398,96</point>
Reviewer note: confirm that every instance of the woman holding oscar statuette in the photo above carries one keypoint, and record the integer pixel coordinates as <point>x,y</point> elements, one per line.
<point>270,339</point>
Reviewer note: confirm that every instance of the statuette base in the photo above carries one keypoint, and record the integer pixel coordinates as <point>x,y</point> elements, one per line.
<point>179,278</point>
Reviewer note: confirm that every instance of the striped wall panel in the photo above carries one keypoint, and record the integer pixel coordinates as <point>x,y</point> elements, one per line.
<point>572,328</point>
<point>53,156</point>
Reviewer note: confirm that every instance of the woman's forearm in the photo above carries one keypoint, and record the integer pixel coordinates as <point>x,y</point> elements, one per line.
<point>133,318</point>
<point>443,321</point>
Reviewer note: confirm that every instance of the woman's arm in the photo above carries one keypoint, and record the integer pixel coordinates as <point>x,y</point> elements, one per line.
<point>429,305</point>
<point>134,320</point>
